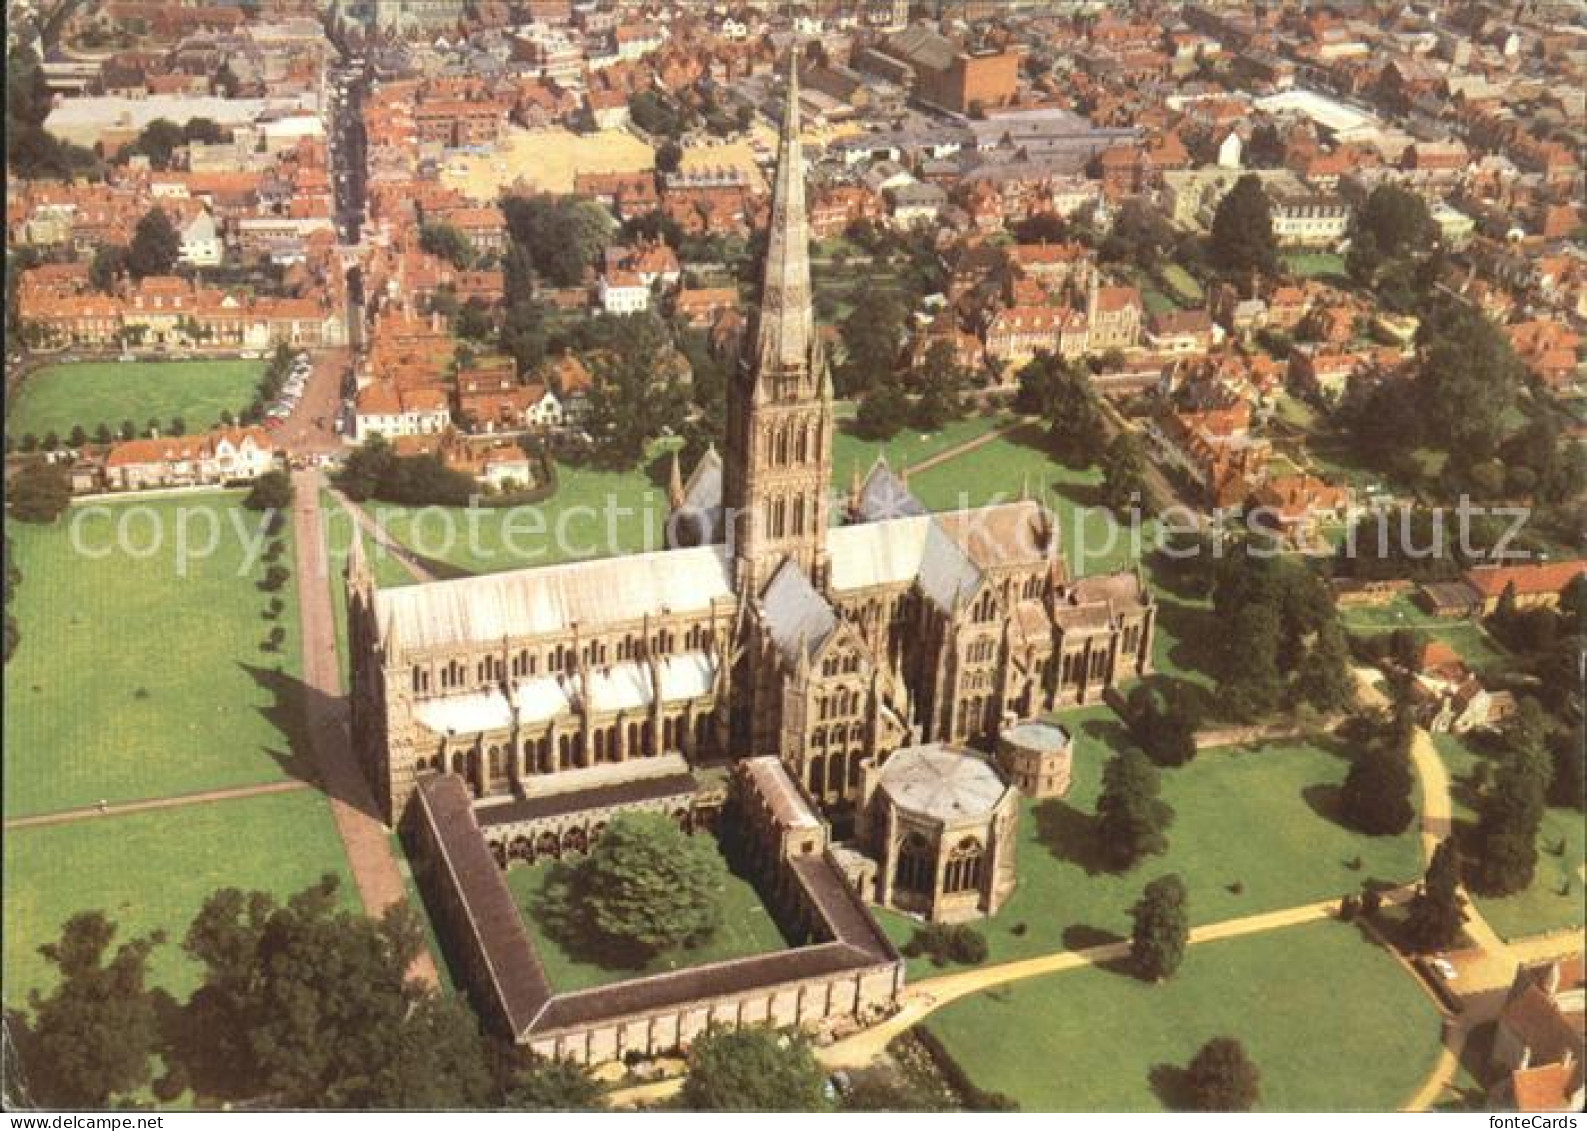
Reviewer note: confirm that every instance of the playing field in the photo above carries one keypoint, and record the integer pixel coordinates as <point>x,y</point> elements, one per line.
<point>90,393</point>
<point>1554,899</point>
<point>154,870</point>
<point>1255,829</point>
<point>139,676</point>
<point>1330,1020</point>
<point>545,160</point>
<point>575,964</point>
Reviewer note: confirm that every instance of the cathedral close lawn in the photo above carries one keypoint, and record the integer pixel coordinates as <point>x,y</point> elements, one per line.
<point>153,870</point>
<point>1330,1019</point>
<point>1255,830</point>
<point>133,682</point>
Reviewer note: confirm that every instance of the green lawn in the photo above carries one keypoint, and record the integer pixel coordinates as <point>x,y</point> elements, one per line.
<point>904,450</point>
<point>153,870</point>
<point>1253,831</point>
<point>1554,901</point>
<point>1315,264</point>
<point>747,928</point>
<point>1182,284</point>
<point>91,393</point>
<point>1468,638</point>
<point>594,514</point>
<point>1331,1021</point>
<point>133,681</point>
<point>1092,541</point>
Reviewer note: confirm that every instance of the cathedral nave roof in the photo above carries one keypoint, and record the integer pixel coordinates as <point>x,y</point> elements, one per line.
<point>553,599</point>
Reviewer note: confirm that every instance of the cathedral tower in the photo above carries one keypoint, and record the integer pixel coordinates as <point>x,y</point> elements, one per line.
<point>778,460</point>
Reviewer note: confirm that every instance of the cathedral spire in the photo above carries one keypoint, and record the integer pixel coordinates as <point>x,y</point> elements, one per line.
<point>784,326</point>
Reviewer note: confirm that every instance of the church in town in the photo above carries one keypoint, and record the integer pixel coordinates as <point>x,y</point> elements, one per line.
<point>820,630</point>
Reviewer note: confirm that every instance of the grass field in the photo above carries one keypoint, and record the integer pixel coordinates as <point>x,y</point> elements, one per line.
<point>1331,1021</point>
<point>1554,900</point>
<point>1468,638</point>
<point>153,870</point>
<point>1254,830</point>
<point>747,928</point>
<point>91,393</point>
<point>1316,265</point>
<point>132,681</point>
<point>1182,285</point>
<point>904,450</point>
<point>594,514</point>
<point>1092,541</point>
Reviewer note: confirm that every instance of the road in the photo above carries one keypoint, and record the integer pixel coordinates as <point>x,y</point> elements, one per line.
<point>311,429</point>
<point>369,851</point>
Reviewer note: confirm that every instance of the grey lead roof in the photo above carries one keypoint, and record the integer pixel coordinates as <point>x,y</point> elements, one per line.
<point>884,496</point>
<point>795,613</point>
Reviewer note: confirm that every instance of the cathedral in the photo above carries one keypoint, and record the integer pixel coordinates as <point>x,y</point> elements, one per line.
<point>825,628</point>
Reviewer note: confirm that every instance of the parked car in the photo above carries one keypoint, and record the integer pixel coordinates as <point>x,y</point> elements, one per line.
<point>1445,968</point>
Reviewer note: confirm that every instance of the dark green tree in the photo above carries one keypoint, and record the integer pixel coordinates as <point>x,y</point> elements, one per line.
<point>1221,1077</point>
<point>629,407</point>
<point>941,384</point>
<point>448,242</point>
<point>1504,843</point>
<point>1124,489</point>
<point>155,245</point>
<point>540,1084</point>
<point>1324,679</point>
<point>92,1037</point>
<point>1467,376</point>
<point>1393,224</point>
<point>1161,928</point>
<point>1163,720</point>
<point>109,264</point>
<point>1074,417</point>
<point>563,236</point>
<point>1132,819</point>
<point>309,1004</point>
<point>1376,796</point>
<point>159,141</point>
<point>669,156</point>
<point>649,885</point>
<point>883,411</point>
<point>754,1070</point>
<point>40,492</point>
<point>1438,910</point>
<point>872,334</point>
<point>1242,230</point>
<point>272,491</point>
<point>1250,684</point>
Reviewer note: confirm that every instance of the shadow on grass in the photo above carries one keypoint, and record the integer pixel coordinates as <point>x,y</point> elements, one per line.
<point>1171,1085</point>
<point>1083,936</point>
<point>1324,799</point>
<point>288,712</point>
<point>297,711</point>
<point>1070,835</point>
<point>1194,629</point>
<point>1110,732</point>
